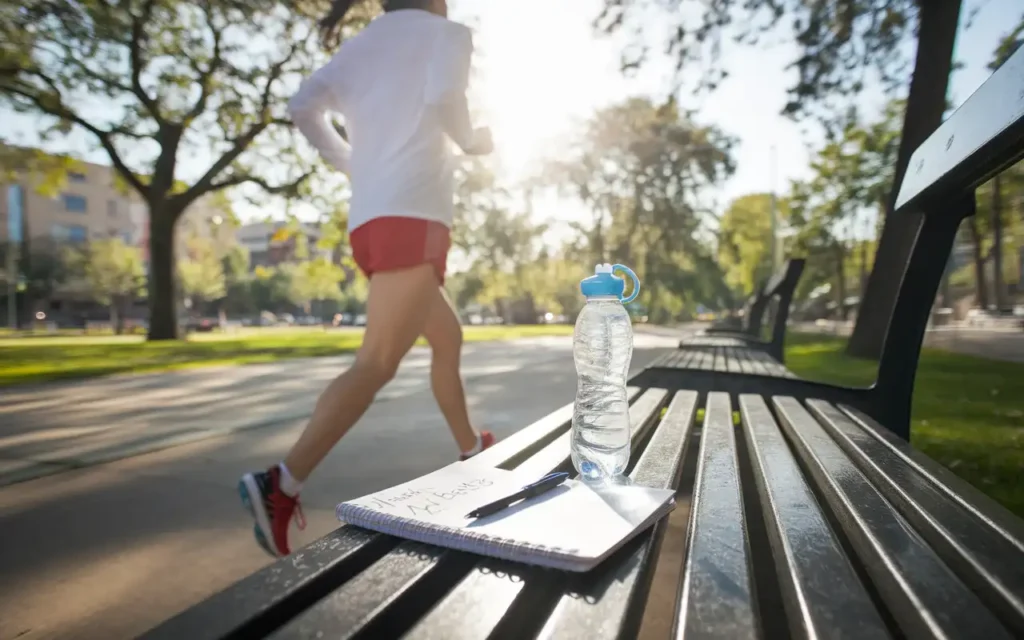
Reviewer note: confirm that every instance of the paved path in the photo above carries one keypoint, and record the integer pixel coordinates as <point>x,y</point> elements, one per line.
<point>70,425</point>
<point>110,550</point>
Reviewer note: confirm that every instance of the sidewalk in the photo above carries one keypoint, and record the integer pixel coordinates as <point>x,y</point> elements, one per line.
<point>52,428</point>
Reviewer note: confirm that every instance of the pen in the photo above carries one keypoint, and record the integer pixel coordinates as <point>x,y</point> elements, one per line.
<point>545,484</point>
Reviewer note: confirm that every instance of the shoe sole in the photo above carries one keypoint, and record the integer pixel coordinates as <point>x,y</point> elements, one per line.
<point>247,488</point>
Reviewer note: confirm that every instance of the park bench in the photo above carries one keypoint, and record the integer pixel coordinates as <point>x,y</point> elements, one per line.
<point>747,351</point>
<point>809,514</point>
<point>778,288</point>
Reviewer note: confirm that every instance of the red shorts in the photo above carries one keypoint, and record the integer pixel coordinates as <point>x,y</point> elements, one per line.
<point>395,243</point>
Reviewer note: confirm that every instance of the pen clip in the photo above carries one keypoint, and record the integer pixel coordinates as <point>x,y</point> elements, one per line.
<point>546,478</point>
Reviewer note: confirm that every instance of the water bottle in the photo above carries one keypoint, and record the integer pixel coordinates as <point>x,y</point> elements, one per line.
<point>602,348</point>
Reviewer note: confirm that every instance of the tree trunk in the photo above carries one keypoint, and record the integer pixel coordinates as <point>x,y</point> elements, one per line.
<point>116,323</point>
<point>926,103</point>
<point>840,281</point>
<point>997,244</point>
<point>981,286</point>
<point>163,322</point>
<point>863,268</point>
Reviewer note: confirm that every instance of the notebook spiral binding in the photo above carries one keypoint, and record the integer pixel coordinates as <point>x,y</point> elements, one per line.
<point>443,536</point>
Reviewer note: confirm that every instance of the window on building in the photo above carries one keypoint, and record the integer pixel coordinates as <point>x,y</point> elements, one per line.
<point>112,208</point>
<point>69,233</point>
<point>76,177</point>
<point>75,204</point>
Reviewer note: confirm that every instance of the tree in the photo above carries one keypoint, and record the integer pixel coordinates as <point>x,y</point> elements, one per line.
<point>114,273</point>
<point>175,81</point>
<point>312,281</point>
<point>840,42</point>
<point>644,169</point>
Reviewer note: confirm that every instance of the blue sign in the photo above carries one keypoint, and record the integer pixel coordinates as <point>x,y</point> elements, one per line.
<point>15,213</point>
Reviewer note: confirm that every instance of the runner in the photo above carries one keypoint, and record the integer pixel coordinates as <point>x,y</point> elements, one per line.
<point>400,86</point>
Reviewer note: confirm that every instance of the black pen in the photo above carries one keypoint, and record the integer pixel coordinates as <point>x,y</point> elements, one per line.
<point>545,484</point>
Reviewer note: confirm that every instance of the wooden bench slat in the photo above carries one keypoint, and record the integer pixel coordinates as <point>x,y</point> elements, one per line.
<point>992,565</point>
<point>610,603</point>
<point>966,495</point>
<point>732,360</point>
<point>717,599</point>
<point>743,355</point>
<point>822,594</point>
<point>352,605</point>
<point>398,577</point>
<point>720,360</point>
<point>266,598</point>
<point>925,597</point>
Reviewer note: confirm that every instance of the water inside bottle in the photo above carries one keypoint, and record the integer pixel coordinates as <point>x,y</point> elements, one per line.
<point>603,347</point>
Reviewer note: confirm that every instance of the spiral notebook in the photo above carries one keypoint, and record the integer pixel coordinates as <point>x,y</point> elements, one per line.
<point>573,527</point>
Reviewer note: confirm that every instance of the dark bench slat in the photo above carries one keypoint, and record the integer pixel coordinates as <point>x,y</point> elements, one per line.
<point>966,495</point>
<point>717,599</point>
<point>611,603</point>
<point>774,367</point>
<point>732,361</point>
<point>822,594</point>
<point>399,587</point>
<point>757,366</point>
<point>720,360</point>
<point>704,358</point>
<point>992,565</point>
<point>923,594</point>
<point>743,356</point>
<point>270,596</point>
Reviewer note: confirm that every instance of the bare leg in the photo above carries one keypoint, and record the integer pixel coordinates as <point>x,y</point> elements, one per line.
<point>394,320</point>
<point>444,333</point>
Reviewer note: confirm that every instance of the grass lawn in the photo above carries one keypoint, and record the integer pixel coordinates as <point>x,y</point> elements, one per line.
<point>33,360</point>
<point>968,412</point>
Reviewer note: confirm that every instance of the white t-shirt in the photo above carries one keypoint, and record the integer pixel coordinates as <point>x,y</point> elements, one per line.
<point>400,86</point>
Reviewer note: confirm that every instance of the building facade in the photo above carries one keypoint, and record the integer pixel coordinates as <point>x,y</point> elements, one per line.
<point>91,205</point>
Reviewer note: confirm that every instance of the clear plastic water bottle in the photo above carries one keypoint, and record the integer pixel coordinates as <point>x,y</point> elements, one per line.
<point>602,348</point>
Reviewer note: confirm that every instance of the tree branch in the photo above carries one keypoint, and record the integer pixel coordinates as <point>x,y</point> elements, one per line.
<point>138,35</point>
<point>55,107</point>
<point>206,75</point>
<point>241,143</point>
<point>287,188</point>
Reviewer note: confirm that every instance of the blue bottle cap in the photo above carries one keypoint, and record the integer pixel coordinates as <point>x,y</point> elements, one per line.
<point>604,283</point>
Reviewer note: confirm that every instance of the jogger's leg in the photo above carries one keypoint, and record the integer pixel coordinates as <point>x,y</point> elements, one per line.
<point>444,333</point>
<point>394,320</point>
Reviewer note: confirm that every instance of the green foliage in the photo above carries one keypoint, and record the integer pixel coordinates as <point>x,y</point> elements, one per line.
<point>851,178</point>
<point>313,280</point>
<point>113,271</point>
<point>201,273</point>
<point>744,241</point>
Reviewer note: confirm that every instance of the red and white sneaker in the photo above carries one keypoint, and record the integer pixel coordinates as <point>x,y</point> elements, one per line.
<point>487,441</point>
<point>271,509</point>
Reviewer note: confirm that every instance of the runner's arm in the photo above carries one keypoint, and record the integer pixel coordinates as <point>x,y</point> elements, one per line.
<point>447,85</point>
<point>309,109</point>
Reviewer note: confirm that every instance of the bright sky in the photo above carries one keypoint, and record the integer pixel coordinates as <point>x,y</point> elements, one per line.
<point>543,70</point>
